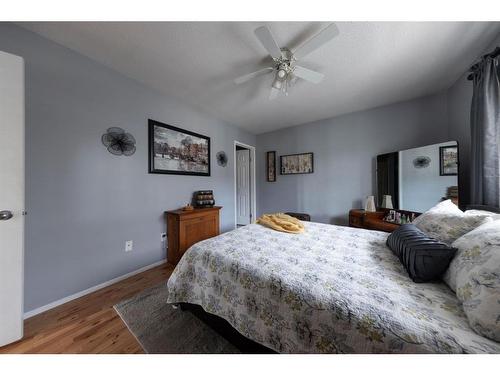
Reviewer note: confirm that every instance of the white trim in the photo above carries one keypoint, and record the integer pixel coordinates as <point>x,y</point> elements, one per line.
<point>253,197</point>
<point>61,301</point>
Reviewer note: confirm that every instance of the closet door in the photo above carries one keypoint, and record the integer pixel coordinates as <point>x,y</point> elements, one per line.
<point>243,187</point>
<point>11,197</point>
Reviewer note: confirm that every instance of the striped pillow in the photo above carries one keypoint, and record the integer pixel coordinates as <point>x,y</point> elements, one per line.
<point>424,258</point>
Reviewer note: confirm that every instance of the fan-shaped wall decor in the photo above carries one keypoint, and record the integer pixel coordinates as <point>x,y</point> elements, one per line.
<point>221,158</point>
<point>421,162</point>
<point>118,142</point>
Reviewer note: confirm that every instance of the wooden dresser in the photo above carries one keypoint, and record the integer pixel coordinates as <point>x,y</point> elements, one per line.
<point>370,220</point>
<point>185,228</point>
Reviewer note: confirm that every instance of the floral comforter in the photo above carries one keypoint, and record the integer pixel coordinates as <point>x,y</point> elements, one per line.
<point>331,289</point>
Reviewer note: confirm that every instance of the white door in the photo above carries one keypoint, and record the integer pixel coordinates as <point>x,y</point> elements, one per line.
<point>243,187</point>
<point>11,197</point>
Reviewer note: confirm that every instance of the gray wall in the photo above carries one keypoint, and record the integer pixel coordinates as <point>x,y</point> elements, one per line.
<point>459,102</point>
<point>84,203</point>
<point>344,149</point>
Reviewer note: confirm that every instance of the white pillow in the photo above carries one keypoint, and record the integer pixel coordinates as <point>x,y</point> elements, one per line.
<point>493,215</point>
<point>446,222</point>
<point>474,274</point>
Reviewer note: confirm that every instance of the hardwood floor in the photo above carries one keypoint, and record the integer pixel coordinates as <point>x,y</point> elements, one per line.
<point>88,324</point>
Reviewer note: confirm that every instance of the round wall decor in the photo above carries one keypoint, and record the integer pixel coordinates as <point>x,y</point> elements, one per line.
<point>221,158</point>
<point>421,162</point>
<point>118,142</point>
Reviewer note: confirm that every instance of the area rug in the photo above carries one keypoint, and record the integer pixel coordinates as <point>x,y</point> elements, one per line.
<point>160,328</point>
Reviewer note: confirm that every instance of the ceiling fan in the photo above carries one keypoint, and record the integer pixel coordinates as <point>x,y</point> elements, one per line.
<point>285,70</point>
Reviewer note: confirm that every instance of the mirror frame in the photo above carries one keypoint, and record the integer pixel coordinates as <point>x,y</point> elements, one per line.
<point>461,205</point>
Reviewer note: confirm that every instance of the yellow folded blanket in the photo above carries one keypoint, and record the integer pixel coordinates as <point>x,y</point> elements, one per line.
<point>281,222</point>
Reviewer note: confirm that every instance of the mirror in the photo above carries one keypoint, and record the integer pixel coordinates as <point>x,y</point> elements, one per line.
<point>418,178</point>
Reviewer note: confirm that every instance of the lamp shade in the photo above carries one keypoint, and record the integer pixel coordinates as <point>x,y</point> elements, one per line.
<point>387,201</point>
<point>370,204</point>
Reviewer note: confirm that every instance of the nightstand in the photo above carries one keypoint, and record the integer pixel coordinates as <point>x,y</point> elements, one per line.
<point>185,228</point>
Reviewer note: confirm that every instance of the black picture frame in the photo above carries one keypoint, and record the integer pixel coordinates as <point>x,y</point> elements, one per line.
<point>442,150</point>
<point>282,170</point>
<point>271,173</point>
<point>151,149</point>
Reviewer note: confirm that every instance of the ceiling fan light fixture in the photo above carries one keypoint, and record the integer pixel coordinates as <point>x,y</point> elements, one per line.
<point>277,84</point>
<point>285,71</point>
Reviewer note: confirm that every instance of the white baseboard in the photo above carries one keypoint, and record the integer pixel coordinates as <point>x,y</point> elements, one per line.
<point>61,301</point>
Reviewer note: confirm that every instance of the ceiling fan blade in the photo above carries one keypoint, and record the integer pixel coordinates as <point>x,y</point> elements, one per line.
<point>274,93</point>
<point>266,38</point>
<point>324,36</point>
<point>308,75</point>
<point>248,77</point>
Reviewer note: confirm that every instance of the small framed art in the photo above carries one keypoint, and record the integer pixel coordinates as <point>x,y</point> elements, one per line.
<point>448,161</point>
<point>271,166</point>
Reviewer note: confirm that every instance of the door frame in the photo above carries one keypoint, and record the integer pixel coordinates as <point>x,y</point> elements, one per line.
<point>253,184</point>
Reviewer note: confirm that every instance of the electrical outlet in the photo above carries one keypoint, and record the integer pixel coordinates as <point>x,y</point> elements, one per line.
<point>163,237</point>
<point>129,245</point>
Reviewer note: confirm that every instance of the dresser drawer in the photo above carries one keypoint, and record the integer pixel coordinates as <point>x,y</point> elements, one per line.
<point>370,220</point>
<point>185,228</point>
<point>196,230</point>
<point>355,221</point>
<point>356,218</point>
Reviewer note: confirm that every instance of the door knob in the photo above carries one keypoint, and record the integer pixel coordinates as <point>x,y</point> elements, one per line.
<point>5,215</point>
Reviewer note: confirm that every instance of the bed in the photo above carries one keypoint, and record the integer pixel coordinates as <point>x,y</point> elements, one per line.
<point>332,289</point>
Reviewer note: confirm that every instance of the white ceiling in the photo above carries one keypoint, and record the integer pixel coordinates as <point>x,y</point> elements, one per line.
<point>368,65</point>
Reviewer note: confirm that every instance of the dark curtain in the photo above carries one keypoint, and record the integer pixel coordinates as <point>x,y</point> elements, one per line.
<point>485,133</point>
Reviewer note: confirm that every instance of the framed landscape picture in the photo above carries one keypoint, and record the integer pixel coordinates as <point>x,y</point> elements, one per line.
<point>177,151</point>
<point>297,163</point>
<point>448,161</point>
<point>271,166</point>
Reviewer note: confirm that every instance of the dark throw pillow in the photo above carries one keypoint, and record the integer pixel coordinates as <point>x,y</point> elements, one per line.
<point>424,258</point>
